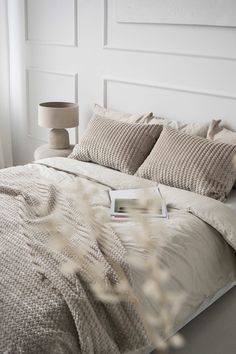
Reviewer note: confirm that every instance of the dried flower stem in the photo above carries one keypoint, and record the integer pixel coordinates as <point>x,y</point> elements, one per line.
<point>155,287</point>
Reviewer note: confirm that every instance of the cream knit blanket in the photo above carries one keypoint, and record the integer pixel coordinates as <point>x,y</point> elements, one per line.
<point>41,310</point>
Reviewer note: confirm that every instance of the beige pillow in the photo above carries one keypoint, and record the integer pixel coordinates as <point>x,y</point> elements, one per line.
<point>121,116</point>
<point>221,134</point>
<point>190,162</point>
<point>118,145</point>
<point>199,129</point>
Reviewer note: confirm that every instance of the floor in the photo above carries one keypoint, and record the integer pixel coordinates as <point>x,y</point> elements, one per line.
<point>213,331</point>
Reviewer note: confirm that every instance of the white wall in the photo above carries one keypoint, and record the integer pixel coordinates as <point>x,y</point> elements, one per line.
<point>5,135</point>
<point>123,54</point>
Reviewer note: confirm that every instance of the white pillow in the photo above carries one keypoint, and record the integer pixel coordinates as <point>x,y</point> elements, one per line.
<point>121,116</point>
<point>216,132</point>
<point>199,129</point>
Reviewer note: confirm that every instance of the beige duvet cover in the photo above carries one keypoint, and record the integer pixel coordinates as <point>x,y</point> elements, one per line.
<point>200,245</point>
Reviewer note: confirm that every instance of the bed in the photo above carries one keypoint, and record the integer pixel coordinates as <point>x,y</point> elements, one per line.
<point>43,311</point>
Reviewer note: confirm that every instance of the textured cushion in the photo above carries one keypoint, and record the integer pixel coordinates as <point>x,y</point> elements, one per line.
<point>118,145</point>
<point>121,116</point>
<point>193,163</point>
<point>218,133</point>
<point>199,129</point>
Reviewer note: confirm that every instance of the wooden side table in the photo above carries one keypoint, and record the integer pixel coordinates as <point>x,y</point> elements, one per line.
<point>43,151</point>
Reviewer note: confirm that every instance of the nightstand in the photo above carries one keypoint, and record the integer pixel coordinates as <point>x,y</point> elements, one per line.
<point>43,151</point>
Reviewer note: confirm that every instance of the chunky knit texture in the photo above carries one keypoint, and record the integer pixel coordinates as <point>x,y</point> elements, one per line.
<point>42,311</point>
<point>118,145</point>
<point>192,163</point>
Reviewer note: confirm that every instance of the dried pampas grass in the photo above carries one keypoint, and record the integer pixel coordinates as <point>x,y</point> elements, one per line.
<point>155,287</point>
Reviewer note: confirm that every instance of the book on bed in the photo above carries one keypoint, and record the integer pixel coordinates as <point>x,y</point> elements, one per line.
<point>146,201</point>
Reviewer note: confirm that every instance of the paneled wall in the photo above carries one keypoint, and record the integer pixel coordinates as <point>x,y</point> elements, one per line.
<point>175,58</point>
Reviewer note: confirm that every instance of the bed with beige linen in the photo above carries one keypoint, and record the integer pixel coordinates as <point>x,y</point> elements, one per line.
<point>44,311</point>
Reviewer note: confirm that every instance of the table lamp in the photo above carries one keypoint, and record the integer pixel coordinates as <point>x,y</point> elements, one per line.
<point>57,116</point>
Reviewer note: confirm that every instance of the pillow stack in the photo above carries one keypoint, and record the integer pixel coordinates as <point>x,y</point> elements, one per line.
<point>199,129</point>
<point>168,152</point>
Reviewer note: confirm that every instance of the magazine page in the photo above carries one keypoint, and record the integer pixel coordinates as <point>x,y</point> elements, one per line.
<point>142,200</point>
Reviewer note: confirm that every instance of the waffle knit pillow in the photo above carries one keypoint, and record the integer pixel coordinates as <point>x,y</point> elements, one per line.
<point>218,133</point>
<point>192,163</point>
<point>118,145</point>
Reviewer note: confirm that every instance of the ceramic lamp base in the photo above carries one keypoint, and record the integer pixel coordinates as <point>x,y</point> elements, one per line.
<point>58,139</point>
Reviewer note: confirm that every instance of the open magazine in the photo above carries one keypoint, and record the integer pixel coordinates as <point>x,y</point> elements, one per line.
<point>122,201</point>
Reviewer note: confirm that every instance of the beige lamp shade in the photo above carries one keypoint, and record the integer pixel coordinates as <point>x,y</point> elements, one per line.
<point>58,115</point>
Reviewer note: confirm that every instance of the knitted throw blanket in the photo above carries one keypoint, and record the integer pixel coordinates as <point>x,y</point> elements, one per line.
<point>41,310</point>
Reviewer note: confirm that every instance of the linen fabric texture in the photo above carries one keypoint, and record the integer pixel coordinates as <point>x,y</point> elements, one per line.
<point>118,145</point>
<point>192,163</point>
